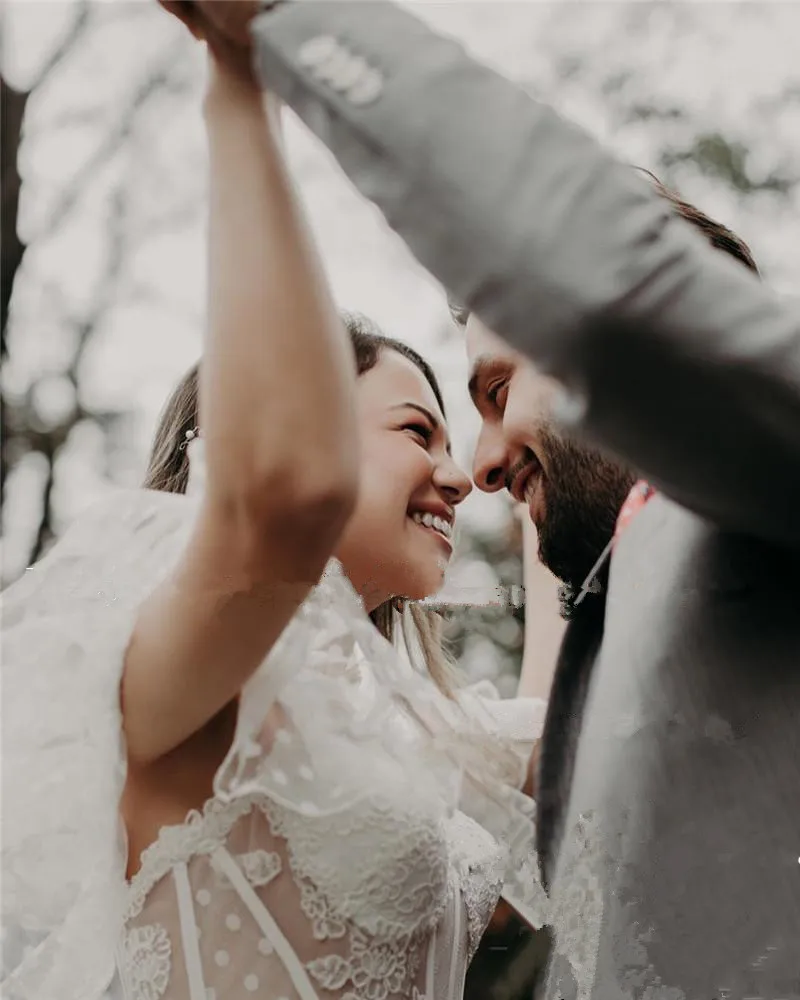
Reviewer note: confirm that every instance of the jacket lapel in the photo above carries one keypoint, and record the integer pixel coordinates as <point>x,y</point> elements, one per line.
<point>578,653</point>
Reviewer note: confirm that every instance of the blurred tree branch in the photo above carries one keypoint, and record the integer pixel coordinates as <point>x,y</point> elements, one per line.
<point>12,114</point>
<point>716,156</point>
<point>111,142</point>
<point>13,104</point>
<point>25,428</point>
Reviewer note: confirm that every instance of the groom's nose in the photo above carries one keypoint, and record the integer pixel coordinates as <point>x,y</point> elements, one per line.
<point>490,464</point>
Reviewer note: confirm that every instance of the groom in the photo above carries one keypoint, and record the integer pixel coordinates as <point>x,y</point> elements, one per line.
<point>578,498</point>
<point>669,786</point>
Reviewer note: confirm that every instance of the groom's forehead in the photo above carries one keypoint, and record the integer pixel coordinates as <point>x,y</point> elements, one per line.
<point>484,346</point>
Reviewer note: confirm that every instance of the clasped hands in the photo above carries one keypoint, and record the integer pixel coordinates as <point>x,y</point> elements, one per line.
<point>224,25</point>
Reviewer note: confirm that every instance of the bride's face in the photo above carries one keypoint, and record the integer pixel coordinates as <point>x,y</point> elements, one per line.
<point>400,539</point>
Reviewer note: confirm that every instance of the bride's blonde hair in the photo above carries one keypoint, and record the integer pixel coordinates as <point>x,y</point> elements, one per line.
<point>420,628</point>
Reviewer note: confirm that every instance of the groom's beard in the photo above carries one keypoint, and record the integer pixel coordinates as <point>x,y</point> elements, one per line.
<point>583,493</point>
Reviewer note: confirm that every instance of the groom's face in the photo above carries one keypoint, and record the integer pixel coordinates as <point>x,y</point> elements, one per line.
<point>572,491</point>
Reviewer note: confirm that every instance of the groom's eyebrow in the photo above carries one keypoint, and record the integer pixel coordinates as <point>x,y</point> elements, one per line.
<point>480,368</point>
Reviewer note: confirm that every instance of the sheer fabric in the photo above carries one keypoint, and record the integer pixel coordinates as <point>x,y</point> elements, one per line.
<point>65,628</point>
<point>361,829</point>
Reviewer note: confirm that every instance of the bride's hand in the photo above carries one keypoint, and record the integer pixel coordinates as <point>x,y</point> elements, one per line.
<point>229,18</point>
<point>231,52</point>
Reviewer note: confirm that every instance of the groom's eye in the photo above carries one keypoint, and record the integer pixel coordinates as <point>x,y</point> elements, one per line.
<point>494,391</point>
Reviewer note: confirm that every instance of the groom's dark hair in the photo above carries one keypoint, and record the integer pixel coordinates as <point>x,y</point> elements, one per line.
<point>719,236</point>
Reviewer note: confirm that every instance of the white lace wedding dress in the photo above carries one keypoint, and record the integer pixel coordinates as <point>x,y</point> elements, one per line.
<point>360,833</point>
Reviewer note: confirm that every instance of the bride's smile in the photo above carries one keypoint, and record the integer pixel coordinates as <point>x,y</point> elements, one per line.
<point>399,539</point>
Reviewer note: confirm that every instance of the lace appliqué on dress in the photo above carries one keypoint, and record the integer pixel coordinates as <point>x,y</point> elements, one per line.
<point>381,962</point>
<point>480,864</point>
<point>325,924</point>
<point>376,970</point>
<point>146,961</point>
<point>259,867</point>
<point>201,833</point>
<point>384,865</point>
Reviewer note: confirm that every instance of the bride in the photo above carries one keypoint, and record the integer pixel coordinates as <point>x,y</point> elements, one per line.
<point>221,777</point>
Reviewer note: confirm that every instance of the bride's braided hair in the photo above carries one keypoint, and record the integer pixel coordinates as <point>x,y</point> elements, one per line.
<point>420,628</point>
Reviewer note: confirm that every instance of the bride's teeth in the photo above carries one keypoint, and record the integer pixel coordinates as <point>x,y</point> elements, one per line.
<point>432,521</point>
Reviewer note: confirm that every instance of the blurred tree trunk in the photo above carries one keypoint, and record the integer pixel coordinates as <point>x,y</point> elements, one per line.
<point>13,104</point>
<point>27,427</point>
<point>12,112</point>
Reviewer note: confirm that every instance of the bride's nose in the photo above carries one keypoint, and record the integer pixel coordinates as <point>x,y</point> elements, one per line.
<point>452,481</point>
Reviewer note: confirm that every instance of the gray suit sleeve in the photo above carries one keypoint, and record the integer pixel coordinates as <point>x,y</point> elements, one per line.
<point>672,355</point>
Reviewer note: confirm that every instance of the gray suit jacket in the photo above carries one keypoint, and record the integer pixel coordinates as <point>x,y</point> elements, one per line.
<point>670,781</point>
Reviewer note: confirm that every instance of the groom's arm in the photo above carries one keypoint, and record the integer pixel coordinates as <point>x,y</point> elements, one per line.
<point>674,356</point>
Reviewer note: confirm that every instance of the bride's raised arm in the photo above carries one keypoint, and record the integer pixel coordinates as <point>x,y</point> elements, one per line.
<point>278,428</point>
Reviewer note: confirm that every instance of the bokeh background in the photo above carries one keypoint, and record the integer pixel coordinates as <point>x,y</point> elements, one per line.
<point>103,215</point>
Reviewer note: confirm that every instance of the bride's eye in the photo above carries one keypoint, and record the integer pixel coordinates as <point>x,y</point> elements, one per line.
<point>421,431</point>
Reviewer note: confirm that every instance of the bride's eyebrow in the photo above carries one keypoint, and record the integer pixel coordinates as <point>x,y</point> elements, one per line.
<point>437,424</point>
